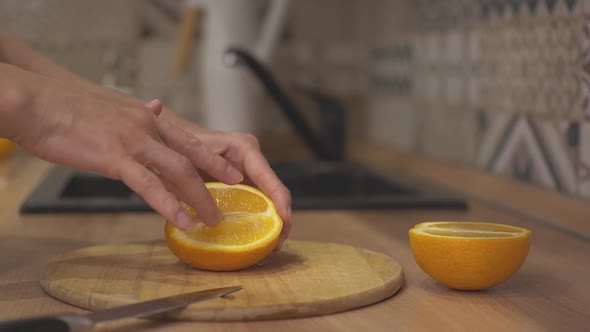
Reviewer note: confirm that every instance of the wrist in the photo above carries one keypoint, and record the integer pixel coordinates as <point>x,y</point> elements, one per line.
<point>17,95</point>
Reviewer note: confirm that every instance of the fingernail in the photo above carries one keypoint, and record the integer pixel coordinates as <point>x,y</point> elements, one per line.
<point>153,102</point>
<point>183,220</point>
<point>289,213</point>
<point>234,174</point>
<point>155,106</point>
<point>215,221</point>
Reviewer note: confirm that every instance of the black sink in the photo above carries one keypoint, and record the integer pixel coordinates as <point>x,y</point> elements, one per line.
<point>313,185</point>
<point>342,185</point>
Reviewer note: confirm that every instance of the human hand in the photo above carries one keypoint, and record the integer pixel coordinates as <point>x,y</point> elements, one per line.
<point>242,151</point>
<point>119,137</point>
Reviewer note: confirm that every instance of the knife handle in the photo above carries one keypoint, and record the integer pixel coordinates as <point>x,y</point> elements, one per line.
<point>58,323</point>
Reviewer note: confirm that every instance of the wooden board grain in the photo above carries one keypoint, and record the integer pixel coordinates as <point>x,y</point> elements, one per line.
<point>303,279</point>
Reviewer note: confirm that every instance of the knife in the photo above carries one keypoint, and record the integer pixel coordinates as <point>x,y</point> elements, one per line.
<point>71,322</point>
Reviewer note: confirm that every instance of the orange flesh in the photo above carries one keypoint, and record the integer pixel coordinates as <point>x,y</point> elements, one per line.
<point>243,220</point>
<point>236,200</point>
<point>470,230</point>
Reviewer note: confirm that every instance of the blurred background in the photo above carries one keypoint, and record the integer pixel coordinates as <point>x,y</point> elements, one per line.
<point>502,85</point>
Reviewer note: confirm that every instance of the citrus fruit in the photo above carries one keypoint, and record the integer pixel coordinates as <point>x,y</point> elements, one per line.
<point>249,231</point>
<point>469,255</point>
<point>6,147</point>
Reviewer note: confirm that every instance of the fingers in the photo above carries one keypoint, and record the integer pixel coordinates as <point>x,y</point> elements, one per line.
<point>179,172</point>
<point>155,106</point>
<point>284,232</point>
<point>198,153</point>
<point>151,189</point>
<point>181,176</point>
<point>184,179</point>
<point>262,175</point>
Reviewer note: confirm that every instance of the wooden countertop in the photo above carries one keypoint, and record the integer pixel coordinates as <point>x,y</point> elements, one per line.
<point>550,292</point>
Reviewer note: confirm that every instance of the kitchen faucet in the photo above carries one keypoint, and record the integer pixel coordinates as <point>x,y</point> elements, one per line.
<point>327,143</point>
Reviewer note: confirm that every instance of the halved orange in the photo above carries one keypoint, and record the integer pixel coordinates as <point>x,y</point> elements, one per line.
<point>6,147</point>
<point>469,255</point>
<point>249,231</point>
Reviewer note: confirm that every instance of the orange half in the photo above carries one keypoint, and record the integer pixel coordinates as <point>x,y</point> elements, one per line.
<point>249,231</point>
<point>6,147</point>
<point>469,255</point>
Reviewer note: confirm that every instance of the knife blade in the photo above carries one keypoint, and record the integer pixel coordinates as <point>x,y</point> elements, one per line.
<point>71,322</point>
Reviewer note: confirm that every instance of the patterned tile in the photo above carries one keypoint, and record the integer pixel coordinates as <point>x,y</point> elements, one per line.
<point>531,69</point>
<point>513,76</point>
<point>391,69</point>
<point>538,151</point>
<point>498,10</point>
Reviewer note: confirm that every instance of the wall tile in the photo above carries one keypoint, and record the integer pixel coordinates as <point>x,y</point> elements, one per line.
<point>447,134</point>
<point>96,39</point>
<point>501,84</point>
<point>513,79</point>
<point>392,121</point>
<point>534,150</point>
<point>70,20</point>
<point>584,160</point>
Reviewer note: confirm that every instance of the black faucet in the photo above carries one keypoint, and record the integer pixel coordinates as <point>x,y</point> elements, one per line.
<point>329,142</point>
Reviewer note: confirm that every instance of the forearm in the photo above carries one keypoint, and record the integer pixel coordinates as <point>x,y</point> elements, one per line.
<point>17,53</point>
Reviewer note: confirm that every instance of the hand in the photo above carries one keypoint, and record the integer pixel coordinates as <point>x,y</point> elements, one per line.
<point>243,152</point>
<point>118,137</point>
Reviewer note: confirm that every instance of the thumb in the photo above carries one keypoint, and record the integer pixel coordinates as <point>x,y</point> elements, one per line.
<point>155,106</point>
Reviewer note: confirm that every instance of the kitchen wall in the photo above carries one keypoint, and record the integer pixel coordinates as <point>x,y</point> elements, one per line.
<point>127,45</point>
<point>97,39</point>
<point>502,85</point>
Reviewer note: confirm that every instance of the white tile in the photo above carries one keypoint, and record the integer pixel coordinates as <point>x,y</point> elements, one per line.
<point>392,121</point>
<point>448,134</point>
<point>344,82</point>
<point>351,54</point>
<point>156,79</point>
<point>560,10</point>
<point>454,90</point>
<point>453,47</point>
<point>585,143</point>
<point>433,88</point>
<point>473,92</point>
<point>64,20</point>
<point>433,48</point>
<point>474,45</point>
<point>584,159</point>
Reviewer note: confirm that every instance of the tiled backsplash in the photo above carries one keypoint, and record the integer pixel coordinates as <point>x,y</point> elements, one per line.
<point>97,39</point>
<point>499,84</point>
<point>503,85</point>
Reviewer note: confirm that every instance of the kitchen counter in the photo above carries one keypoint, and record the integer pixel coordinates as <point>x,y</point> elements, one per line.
<point>550,292</point>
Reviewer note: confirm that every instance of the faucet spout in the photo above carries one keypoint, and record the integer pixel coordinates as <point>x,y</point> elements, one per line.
<point>329,144</point>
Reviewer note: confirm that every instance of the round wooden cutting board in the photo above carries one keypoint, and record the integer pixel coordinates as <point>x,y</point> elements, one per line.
<point>303,279</point>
